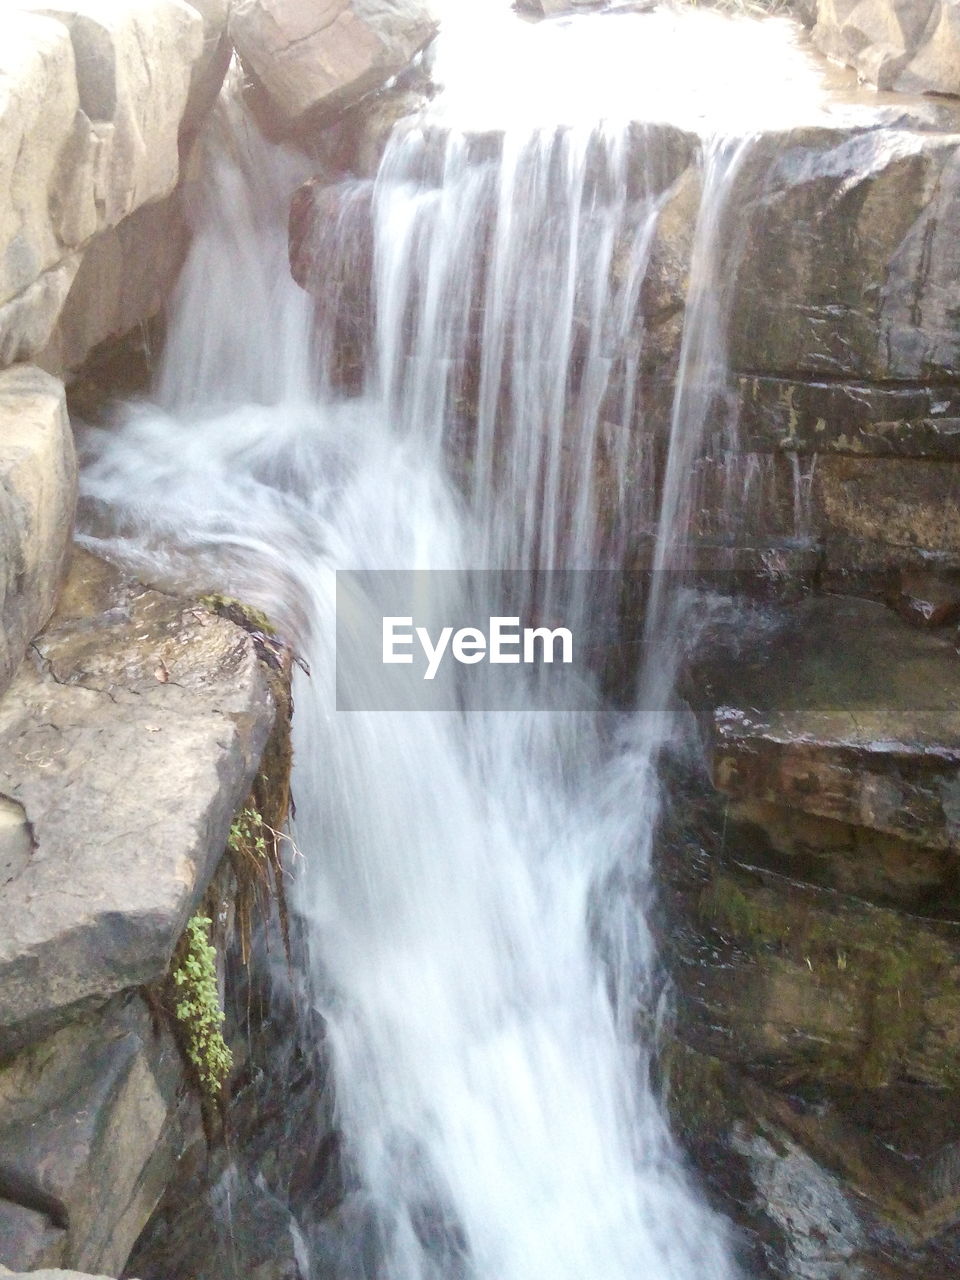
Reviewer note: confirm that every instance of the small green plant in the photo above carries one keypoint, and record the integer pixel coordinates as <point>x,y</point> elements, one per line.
<point>247,837</point>
<point>197,1010</point>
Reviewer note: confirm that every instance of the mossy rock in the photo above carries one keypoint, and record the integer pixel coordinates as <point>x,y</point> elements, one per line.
<point>825,986</point>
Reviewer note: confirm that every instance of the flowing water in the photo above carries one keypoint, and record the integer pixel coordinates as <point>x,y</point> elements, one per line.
<point>475,883</point>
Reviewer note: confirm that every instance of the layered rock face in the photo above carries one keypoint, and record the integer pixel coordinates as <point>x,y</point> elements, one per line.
<point>815,1063</point>
<point>845,342</point>
<point>909,45</point>
<point>320,58</point>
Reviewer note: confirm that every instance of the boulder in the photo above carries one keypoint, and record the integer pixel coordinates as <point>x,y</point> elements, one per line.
<point>128,740</point>
<point>908,45</point>
<point>321,58</point>
<point>38,483</point>
<point>98,98</point>
<point>123,280</point>
<point>90,1133</point>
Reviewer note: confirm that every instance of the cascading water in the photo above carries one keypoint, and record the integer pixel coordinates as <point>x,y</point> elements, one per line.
<point>480,977</point>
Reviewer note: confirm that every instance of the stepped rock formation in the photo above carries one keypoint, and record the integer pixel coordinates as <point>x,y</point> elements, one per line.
<point>818,952</point>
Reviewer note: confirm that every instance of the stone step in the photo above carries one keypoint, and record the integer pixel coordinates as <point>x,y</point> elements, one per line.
<point>846,712</point>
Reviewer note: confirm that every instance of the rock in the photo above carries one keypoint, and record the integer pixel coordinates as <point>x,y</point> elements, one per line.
<point>133,66</point>
<point>803,1072</point>
<point>38,480</point>
<point>852,249</point>
<point>817,987</point>
<point>281,1172</point>
<point>90,1134</point>
<point>926,598</point>
<point>875,515</point>
<point>98,99</point>
<point>882,869</point>
<point>852,716</point>
<point>123,281</point>
<point>857,418</point>
<point>908,45</point>
<point>50,1275</point>
<point>321,59</point>
<point>156,713</point>
<point>331,257</point>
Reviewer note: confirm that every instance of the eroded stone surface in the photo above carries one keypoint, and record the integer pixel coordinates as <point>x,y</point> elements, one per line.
<point>37,500</point>
<point>323,57</point>
<point>852,256</point>
<point>909,45</point>
<point>95,97</point>
<point>129,738</point>
<point>89,1137</point>
<point>851,715</point>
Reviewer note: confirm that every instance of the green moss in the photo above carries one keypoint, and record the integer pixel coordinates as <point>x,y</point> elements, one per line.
<point>879,961</point>
<point>725,907</point>
<point>244,615</point>
<point>197,1010</point>
<point>697,1091</point>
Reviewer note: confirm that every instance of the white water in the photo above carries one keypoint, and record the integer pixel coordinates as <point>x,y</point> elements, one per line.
<point>476,953</point>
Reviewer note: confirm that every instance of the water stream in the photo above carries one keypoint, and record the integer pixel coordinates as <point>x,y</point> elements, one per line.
<point>476,883</point>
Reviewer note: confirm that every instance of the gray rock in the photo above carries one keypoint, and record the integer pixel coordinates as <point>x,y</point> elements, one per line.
<point>323,58</point>
<point>124,279</point>
<point>101,97</point>
<point>129,739</point>
<point>89,1136</point>
<point>855,718</point>
<point>852,254</point>
<point>908,45</point>
<point>55,1274</point>
<point>37,500</point>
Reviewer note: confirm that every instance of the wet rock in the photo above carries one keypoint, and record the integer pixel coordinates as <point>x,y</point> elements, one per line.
<point>882,869</point>
<point>322,60</point>
<point>926,598</point>
<point>908,45</point>
<point>817,987</point>
<point>859,419</point>
<point>852,248</point>
<point>254,1199</point>
<point>90,1133</point>
<point>794,1073</point>
<point>331,257</point>
<point>37,500</point>
<point>875,515</point>
<point>155,712</point>
<point>853,716</point>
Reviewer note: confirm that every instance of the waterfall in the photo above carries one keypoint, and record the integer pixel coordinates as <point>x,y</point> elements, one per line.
<point>476,884</point>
